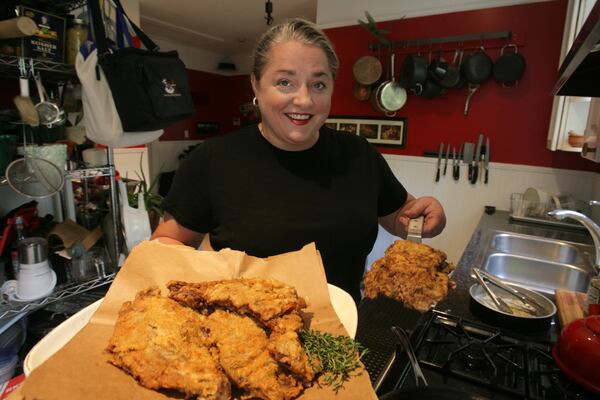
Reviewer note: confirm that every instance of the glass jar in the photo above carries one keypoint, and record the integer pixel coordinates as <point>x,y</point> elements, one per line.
<point>76,35</point>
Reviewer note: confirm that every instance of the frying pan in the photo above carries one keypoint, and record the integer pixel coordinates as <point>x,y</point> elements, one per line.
<point>392,96</point>
<point>509,67</point>
<point>437,68</point>
<point>452,76</point>
<point>477,68</point>
<point>367,70</point>
<point>431,89</point>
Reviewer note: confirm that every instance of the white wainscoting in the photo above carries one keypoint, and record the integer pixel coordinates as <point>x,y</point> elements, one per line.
<point>464,202</point>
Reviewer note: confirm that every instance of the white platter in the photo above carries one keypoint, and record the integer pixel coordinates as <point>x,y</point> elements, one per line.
<point>342,302</point>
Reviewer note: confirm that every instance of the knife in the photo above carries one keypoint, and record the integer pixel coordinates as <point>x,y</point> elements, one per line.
<point>525,298</point>
<point>460,160</point>
<point>447,155</point>
<point>476,159</point>
<point>455,172</point>
<point>439,162</point>
<point>486,162</point>
<point>468,158</point>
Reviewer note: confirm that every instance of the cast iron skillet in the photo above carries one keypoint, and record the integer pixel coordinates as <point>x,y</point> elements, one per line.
<point>509,67</point>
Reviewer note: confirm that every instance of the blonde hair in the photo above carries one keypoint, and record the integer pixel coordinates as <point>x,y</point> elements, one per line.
<point>293,29</point>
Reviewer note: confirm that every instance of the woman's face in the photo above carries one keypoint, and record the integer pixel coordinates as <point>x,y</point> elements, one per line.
<point>294,95</point>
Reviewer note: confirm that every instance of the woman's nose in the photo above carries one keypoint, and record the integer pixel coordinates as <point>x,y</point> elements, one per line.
<point>302,97</point>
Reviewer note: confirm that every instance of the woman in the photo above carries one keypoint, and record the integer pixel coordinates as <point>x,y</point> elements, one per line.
<point>289,181</point>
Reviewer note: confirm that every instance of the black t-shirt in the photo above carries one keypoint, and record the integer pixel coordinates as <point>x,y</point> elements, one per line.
<point>251,196</point>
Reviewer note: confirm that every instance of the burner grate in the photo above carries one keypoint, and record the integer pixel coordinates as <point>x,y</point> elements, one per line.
<point>486,357</point>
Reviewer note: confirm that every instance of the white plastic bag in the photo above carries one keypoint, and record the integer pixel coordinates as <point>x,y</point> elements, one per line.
<point>136,223</point>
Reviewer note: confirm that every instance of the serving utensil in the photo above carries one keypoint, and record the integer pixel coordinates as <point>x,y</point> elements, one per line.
<point>415,229</point>
<point>525,299</point>
<point>414,362</point>
<point>500,304</point>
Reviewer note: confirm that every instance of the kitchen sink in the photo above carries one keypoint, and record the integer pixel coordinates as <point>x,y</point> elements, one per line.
<point>537,263</point>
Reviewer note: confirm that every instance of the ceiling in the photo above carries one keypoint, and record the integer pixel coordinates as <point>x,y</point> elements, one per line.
<point>227,27</point>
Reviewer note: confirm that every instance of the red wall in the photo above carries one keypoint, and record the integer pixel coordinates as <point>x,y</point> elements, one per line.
<point>217,99</point>
<point>515,119</point>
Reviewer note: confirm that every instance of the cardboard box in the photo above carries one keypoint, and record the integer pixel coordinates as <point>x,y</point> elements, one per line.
<point>49,42</point>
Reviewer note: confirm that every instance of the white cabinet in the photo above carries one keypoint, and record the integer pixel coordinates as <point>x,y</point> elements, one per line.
<point>569,113</point>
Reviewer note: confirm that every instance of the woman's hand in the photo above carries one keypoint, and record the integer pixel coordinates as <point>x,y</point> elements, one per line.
<point>429,207</point>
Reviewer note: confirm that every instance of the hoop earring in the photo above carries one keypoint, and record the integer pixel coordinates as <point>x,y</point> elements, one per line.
<point>255,102</point>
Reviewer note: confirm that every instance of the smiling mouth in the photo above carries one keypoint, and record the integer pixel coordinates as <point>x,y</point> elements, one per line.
<point>299,119</point>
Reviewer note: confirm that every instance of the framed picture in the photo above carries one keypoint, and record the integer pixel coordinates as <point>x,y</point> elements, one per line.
<point>381,131</point>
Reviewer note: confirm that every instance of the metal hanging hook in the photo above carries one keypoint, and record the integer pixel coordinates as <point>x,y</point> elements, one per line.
<point>269,12</point>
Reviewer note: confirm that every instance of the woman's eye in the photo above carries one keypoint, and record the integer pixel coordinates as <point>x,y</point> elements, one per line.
<point>284,83</point>
<point>319,85</point>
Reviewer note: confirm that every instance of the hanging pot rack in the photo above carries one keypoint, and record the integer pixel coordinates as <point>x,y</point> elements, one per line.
<point>489,40</point>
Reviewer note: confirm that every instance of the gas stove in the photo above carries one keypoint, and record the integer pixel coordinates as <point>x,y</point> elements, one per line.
<point>472,357</point>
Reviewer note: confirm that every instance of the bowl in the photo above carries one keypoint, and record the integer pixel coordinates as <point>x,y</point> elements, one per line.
<point>577,352</point>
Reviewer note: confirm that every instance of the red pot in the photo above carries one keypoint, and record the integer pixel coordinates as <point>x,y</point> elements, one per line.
<point>577,352</point>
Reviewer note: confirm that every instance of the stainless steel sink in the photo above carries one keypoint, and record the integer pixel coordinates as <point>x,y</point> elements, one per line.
<point>537,263</point>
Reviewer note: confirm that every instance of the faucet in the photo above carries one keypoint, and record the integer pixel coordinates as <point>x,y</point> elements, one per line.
<point>586,221</point>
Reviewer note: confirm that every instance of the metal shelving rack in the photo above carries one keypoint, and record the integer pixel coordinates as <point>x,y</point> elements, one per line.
<point>53,71</point>
<point>11,309</point>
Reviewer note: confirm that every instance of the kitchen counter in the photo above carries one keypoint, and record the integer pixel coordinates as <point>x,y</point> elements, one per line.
<point>459,302</point>
<point>378,315</point>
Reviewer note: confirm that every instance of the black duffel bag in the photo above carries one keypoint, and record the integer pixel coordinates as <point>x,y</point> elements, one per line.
<point>150,88</point>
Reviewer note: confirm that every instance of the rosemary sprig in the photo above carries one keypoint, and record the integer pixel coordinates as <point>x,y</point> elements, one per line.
<point>334,356</point>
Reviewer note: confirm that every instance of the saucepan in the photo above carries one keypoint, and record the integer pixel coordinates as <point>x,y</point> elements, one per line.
<point>414,71</point>
<point>509,67</point>
<point>422,390</point>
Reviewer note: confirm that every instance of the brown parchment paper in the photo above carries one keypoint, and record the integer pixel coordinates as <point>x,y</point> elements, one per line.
<point>80,369</point>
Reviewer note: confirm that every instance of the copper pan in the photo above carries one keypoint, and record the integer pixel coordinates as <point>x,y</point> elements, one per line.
<point>367,70</point>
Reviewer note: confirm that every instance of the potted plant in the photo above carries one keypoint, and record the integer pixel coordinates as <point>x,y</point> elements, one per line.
<point>152,200</point>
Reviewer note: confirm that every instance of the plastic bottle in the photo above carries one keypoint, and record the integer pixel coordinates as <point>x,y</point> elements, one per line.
<point>14,247</point>
<point>593,296</point>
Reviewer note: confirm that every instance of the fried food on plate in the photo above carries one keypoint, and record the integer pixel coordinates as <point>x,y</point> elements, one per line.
<point>161,343</point>
<point>413,273</point>
<point>245,357</point>
<point>215,340</point>
<point>264,299</point>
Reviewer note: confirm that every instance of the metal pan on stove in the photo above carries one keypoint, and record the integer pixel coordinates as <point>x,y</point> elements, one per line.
<point>519,311</point>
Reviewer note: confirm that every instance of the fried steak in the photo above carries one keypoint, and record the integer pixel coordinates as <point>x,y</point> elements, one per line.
<point>161,344</point>
<point>212,339</point>
<point>413,273</point>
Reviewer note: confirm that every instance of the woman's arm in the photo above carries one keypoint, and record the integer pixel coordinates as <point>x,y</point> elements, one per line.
<point>171,232</point>
<point>396,223</point>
